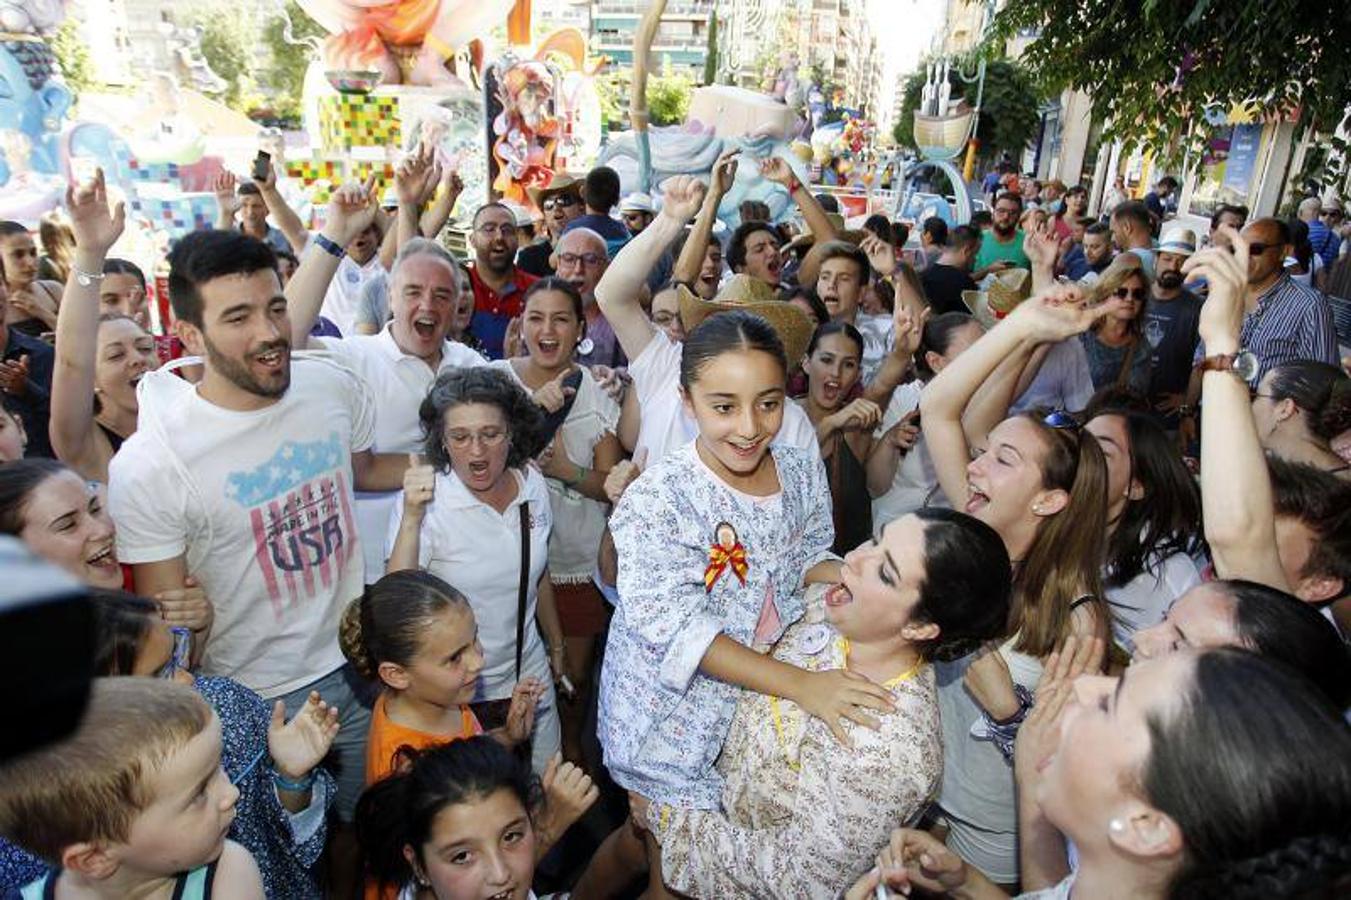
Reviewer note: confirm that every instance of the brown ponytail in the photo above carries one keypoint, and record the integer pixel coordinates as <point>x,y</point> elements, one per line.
<point>351,638</point>
<point>384,623</point>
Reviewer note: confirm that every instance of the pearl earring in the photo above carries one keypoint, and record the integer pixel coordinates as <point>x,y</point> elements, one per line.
<point>1117,827</point>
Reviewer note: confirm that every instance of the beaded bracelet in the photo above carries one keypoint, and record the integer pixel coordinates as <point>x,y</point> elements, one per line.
<point>298,787</point>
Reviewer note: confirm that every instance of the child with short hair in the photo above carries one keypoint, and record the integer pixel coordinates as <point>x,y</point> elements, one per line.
<point>134,803</point>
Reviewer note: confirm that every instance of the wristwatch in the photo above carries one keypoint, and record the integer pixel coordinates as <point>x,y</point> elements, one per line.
<point>1243,364</point>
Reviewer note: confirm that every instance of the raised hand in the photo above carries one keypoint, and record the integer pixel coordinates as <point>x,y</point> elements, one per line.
<point>908,320</point>
<point>623,474</point>
<point>553,394</point>
<point>568,793</point>
<point>225,186</point>
<point>839,694</point>
<point>614,382</point>
<point>681,197</point>
<point>416,176</point>
<point>776,169</point>
<point>419,486</point>
<point>301,744</point>
<point>511,341</point>
<point>351,210</point>
<point>724,171</point>
<point>1059,313</point>
<point>186,607</point>
<point>905,433</point>
<point>861,414</point>
<point>14,376</point>
<point>452,182</point>
<point>96,228</point>
<point>1227,276</point>
<point>521,715</point>
<point>881,255</point>
<point>1041,246</point>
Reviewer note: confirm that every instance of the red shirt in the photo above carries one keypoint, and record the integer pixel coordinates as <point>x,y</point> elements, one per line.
<point>493,309</point>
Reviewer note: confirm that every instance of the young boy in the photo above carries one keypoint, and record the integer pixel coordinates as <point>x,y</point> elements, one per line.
<point>133,804</point>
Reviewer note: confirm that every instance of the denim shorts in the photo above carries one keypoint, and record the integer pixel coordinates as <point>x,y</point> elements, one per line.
<point>346,761</point>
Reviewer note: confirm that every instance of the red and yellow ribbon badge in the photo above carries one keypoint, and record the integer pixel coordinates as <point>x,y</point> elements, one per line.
<point>719,559</point>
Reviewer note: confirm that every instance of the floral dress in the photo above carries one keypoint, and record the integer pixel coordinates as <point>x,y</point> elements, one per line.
<point>804,816</point>
<point>662,723</point>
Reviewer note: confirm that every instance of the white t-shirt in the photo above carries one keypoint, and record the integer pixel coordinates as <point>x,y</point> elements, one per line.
<point>477,550</point>
<point>1063,381</point>
<point>261,504</point>
<point>915,484</point>
<point>665,426</point>
<point>879,333</point>
<point>398,384</point>
<point>344,292</point>
<point>1144,600</point>
<point>579,520</point>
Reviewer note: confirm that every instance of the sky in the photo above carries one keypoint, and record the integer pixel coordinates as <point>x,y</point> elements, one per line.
<point>905,29</point>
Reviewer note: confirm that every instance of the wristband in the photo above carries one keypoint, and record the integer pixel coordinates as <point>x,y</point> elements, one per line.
<point>794,186</point>
<point>297,787</point>
<point>329,245</point>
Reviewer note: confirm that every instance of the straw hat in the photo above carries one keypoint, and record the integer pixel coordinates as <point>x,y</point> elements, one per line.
<point>637,202</point>
<point>557,185</point>
<point>1007,289</point>
<point>751,294</point>
<point>1178,239</point>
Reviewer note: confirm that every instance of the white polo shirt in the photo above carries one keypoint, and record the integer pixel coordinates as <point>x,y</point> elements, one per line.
<point>477,550</point>
<point>398,382</point>
<point>665,426</point>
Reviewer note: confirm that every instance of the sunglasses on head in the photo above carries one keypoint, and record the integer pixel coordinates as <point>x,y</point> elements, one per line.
<point>1133,293</point>
<point>1060,419</point>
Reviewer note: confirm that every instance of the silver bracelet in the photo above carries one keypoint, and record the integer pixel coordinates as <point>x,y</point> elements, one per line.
<point>86,279</point>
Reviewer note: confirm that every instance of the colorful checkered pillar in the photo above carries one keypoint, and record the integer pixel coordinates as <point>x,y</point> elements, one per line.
<point>357,120</point>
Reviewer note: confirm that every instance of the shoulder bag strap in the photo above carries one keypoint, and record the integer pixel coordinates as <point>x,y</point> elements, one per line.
<point>524,589</point>
<point>1125,373</point>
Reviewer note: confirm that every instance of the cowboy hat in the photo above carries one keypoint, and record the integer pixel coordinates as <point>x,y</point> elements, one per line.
<point>748,293</point>
<point>558,184</point>
<point>1007,289</point>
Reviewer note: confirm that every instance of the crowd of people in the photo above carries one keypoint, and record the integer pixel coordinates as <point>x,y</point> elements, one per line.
<point>634,555</point>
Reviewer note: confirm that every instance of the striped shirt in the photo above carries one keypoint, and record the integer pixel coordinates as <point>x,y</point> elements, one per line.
<point>1289,322</point>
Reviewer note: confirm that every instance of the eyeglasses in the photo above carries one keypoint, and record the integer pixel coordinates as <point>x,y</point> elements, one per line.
<point>1254,393</point>
<point>492,229</point>
<point>572,259</point>
<point>179,659</point>
<point>552,203</point>
<point>1133,293</point>
<point>488,438</point>
<point>1060,419</point>
<point>1331,214</point>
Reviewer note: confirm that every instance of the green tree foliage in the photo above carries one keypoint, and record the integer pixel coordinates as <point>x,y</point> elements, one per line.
<point>286,75</point>
<point>227,46</point>
<point>711,57</point>
<point>1154,72</point>
<point>668,98</point>
<point>73,56</point>
<point>1010,108</point>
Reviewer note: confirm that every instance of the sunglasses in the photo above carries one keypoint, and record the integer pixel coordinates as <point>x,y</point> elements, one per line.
<point>552,203</point>
<point>179,658</point>
<point>1257,248</point>
<point>1133,293</point>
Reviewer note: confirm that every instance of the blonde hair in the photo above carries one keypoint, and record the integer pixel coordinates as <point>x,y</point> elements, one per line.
<point>91,785</point>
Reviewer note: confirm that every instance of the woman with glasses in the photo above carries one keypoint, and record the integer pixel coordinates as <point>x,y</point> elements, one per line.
<point>1041,483</point>
<point>1299,408</point>
<point>283,792</point>
<point>1118,355</point>
<point>582,422</point>
<point>479,518</point>
<point>101,351</point>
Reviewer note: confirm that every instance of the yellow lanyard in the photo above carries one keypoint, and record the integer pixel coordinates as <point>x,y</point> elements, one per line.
<point>777,714</point>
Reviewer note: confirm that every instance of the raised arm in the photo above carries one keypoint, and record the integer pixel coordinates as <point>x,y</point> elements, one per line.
<point>1236,498</point>
<point>77,322</point>
<point>776,168</point>
<point>294,230</point>
<point>438,214</point>
<point>696,245</point>
<point>224,186</point>
<point>414,180</point>
<point>350,210</point>
<point>1050,316</point>
<point>617,291</point>
<point>1041,247</point>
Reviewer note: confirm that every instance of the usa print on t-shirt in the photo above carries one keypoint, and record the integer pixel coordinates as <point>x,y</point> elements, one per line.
<point>300,510</point>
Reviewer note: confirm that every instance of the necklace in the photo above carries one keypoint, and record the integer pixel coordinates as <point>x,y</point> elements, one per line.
<point>776,713</point>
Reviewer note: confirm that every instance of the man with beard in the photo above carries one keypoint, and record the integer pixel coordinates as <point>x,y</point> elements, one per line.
<point>245,481</point>
<point>499,284</point>
<point>1094,255</point>
<point>400,361</point>
<point>1170,326</point>
<point>581,261</point>
<point>560,202</point>
<point>1002,248</point>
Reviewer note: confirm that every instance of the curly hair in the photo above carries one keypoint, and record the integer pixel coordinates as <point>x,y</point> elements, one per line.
<point>490,387</point>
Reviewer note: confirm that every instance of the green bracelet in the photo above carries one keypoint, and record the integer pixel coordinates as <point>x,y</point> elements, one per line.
<point>579,477</point>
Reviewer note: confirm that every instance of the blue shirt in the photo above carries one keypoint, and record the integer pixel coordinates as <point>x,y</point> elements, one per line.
<point>1325,242</point>
<point>34,404</point>
<point>1289,322</point>
<point>613,230</point>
